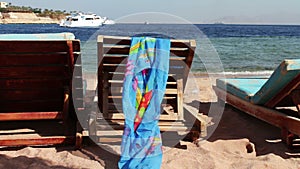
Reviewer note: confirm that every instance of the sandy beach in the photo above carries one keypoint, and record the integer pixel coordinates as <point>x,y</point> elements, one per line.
<point>236,140</point>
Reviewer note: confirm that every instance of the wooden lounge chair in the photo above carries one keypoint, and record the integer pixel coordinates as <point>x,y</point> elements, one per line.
<point>36,73</point>
<point>264,98</point>
<point>112,54</point>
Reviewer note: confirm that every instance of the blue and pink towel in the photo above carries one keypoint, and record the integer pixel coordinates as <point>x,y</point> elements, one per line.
<point>143,90</point>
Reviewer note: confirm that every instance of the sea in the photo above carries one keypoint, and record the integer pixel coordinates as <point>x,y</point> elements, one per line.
<point>225,48</point>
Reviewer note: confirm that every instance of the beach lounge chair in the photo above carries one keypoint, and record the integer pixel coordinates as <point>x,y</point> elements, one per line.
<point>36,89</point>
<point>112,54</point>
<point>268,98</point>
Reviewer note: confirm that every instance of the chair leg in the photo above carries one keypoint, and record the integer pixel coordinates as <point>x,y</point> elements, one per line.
<point>180,99</point>
<point>287,137</point>
<point>78,142</point>
<point>92,126</point>
<point>67,122</point>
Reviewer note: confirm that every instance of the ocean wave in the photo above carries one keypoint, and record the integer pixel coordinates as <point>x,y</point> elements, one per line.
<point>239,73</point>
<point>265,72</point>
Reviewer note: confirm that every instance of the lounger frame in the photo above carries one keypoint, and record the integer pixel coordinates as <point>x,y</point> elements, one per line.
<point>112,54</point>
<point>36,87</point>
<point>287,96</point>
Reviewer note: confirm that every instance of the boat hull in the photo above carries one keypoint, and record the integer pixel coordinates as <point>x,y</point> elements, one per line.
<point>81,24</point>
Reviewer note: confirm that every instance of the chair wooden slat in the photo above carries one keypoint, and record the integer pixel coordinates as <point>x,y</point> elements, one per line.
<point>48,83</point>
<point>32,59</point>
<point>33,46</point>
<point>31,106</point>
<point>124,50</point>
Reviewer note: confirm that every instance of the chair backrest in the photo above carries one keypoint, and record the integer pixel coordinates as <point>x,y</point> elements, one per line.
<point>36,70</point>
<point>284,79</point>
<point>112,54</point>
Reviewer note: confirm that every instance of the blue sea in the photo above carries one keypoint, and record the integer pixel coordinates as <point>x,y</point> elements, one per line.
<point>250,49</point>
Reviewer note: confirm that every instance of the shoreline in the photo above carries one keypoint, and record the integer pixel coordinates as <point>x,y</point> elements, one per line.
<point>29,21</point>
<point>25,18</point>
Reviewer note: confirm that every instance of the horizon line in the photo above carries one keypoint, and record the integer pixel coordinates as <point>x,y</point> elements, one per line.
<point>201,23</point>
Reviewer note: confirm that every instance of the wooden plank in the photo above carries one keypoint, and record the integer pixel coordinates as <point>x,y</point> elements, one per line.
<point>120,76</point>
<point>113,92</point>
<point>115,86</point>
<point>174,64</point>
<point>268,115</point>
<point>100,52</point>
<point>31,106</point>
<point>32,59</point>
<point>115,75</point>
<point>116,90</point>
<point>119,50</point>
<point>54,140</point>
<point>162,128</point>
<point>33,46</point>
<point>172,101</point>
<point>32,72</point>
<point>33,94</point>
<point>37,84</point>
<point>71,59</point>
<point>116,107</point>
<point>117,40</point>
<point>172,78</point>
<point>120,116</point>
<point>30,116</point>
<point>105,94</point>
<point>179,92</point>
<point>121,122</point>
<point>112,98</point>
<point>115,59</point>
<point>121,59</point>
<point>127,41</point>
<point>178,70</point>
<point>296,99</point>
<point>101,81</point>
<point>77,85</point>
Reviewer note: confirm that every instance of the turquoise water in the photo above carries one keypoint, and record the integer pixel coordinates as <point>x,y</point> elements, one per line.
<point>255,53</point>
<point>229,48</point>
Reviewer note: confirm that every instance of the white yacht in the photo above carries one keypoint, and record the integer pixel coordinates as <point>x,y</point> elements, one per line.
<point>108,21</point>
<point>82,20</point>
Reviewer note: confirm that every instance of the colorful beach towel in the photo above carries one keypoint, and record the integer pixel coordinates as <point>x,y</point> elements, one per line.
<point>143,90</point>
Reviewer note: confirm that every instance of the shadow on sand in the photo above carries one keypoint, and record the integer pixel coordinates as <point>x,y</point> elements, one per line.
<point>235,124</point>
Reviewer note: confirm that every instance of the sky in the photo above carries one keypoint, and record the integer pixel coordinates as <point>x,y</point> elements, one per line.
<point>193,11</point>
